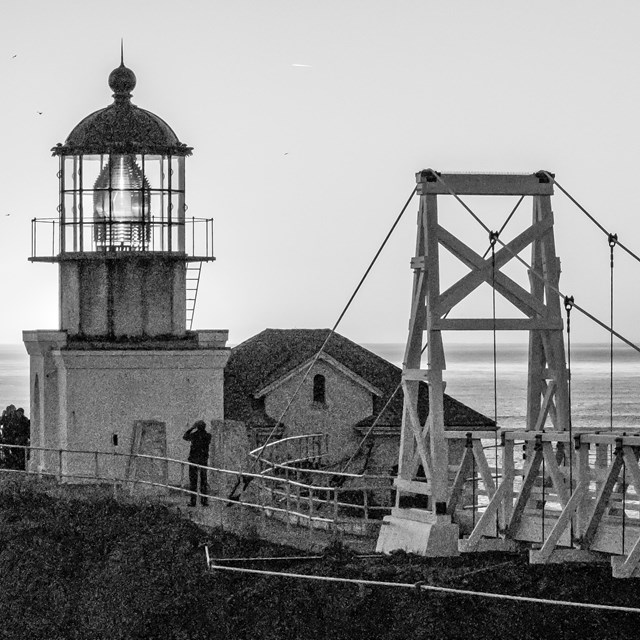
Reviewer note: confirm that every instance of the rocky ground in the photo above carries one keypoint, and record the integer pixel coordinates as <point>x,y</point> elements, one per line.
<point>86,569</point>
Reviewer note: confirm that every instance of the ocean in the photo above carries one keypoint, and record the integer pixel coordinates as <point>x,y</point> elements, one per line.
<point>469,378</point>
<point>14,376</point>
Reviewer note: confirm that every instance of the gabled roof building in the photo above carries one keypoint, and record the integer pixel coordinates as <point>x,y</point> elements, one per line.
<point>342,396</point>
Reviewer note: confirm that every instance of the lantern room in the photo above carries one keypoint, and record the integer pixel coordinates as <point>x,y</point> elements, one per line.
<point>128,253</point>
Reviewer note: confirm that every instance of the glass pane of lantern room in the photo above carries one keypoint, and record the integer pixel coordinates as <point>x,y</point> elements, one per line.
<point>92,166</point>
<point>85,228</point>
<point>177,221</point>
<point>177,173</point>
<point>70,168</point>
<point>70,221</point>
<point>152,171</point>
<point>158,230</point>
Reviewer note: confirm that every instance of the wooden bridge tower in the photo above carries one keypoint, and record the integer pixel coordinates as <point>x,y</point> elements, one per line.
<point>424,456</point>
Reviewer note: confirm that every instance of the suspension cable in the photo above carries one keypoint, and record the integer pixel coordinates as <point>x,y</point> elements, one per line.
<point>624,501</point>
<point>474,488</point>
<point>340,317</point>
<point>489,248</point>
<point>505,223</point>
<point>613,239</point>
<point>566,193</point>
<point>324,344</point>
<point>370,429</point>
<point>492,242</point>
<point>534,272</point>
<point>493,238</point>
<point>568,305</point>
<point>544,496</point>
<point>377,419</point>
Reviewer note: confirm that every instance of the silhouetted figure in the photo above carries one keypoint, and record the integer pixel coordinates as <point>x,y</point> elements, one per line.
<point>9,425</point>
<point>199,454</point>
<point>7,416</point>
<point>22,437</point>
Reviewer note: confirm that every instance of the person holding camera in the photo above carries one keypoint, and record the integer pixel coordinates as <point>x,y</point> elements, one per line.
<point>200,441</point>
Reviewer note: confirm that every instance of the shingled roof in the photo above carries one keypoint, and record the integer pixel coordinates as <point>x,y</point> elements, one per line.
<point>271,354</point>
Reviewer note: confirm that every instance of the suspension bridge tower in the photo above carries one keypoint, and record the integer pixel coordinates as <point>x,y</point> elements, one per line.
<point>424,456</point>
<point>123,362</point>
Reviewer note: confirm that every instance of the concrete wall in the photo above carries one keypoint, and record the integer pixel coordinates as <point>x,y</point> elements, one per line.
<point>347,402</point>
<point>108,391</point>
<point>43,348</point>
<point>229,450</point>
<point>139,296</point>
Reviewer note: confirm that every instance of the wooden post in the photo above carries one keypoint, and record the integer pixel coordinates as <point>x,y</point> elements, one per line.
<point>287,488</point>
<point>435,363</point>
<point>365,502</point>
<point>508,475</point>
<point>546,345</point>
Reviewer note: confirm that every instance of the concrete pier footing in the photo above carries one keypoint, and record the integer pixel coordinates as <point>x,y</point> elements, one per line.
<point>418,531</point>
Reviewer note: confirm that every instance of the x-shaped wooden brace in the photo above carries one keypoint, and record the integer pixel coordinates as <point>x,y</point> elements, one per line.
<point>483,271</point>
<point>420,432</point>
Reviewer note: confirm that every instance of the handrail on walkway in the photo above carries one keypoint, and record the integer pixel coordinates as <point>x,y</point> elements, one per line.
<point>292,500</point>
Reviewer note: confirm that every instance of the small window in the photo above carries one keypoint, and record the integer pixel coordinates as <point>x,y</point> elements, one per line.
<point>319,388</point>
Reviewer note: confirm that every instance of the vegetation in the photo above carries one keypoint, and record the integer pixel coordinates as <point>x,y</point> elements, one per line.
<point>77,568</point>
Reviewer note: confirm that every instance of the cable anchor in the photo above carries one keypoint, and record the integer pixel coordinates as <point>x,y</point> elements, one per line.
<point>613,241</point>
<point>568,304</point>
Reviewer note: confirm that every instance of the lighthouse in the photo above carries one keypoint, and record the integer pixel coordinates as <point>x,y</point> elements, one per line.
<point>123,373</point>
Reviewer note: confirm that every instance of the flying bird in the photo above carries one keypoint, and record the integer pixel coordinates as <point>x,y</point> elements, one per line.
<point>39,113</point>
<point>14,56</point>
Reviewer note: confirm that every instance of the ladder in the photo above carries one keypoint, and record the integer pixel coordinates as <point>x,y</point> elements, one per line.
<point>193,280</point>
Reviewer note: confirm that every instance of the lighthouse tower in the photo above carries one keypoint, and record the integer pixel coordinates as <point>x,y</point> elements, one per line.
<point>122,373</point>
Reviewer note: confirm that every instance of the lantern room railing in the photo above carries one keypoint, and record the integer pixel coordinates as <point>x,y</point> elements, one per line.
<point>52,240</point>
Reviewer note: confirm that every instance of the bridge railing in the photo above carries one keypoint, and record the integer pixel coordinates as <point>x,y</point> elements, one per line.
<point>295,481</point>
<point>573,493</point>
<point>292,450</point>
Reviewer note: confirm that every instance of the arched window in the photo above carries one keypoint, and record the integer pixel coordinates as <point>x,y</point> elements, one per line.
<point>319,388</point>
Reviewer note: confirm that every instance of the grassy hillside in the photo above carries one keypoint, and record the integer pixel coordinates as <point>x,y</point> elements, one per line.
<point>74,568</point>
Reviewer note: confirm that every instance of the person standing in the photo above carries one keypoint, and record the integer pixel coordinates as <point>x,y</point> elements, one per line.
<point>23,438</point>
<point>200,441</point>
<point>9,423</point>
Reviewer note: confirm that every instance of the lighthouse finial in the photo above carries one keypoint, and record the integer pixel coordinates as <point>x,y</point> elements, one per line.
<point>122,80</point>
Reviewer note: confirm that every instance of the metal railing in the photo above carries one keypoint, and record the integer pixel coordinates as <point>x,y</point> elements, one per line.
<point>292,450</point>
<point>51,238</point>
<point>487,484</point>
<point>293,480</point>
<point>290,498</point>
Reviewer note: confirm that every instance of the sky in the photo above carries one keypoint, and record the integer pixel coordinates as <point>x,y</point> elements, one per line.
<point>309,121</point>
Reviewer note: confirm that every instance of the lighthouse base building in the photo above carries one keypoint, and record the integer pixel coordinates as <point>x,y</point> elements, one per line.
<point>103,397</point>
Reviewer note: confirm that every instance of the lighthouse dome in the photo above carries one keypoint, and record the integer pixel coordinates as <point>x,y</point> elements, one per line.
<point>122,127</point>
